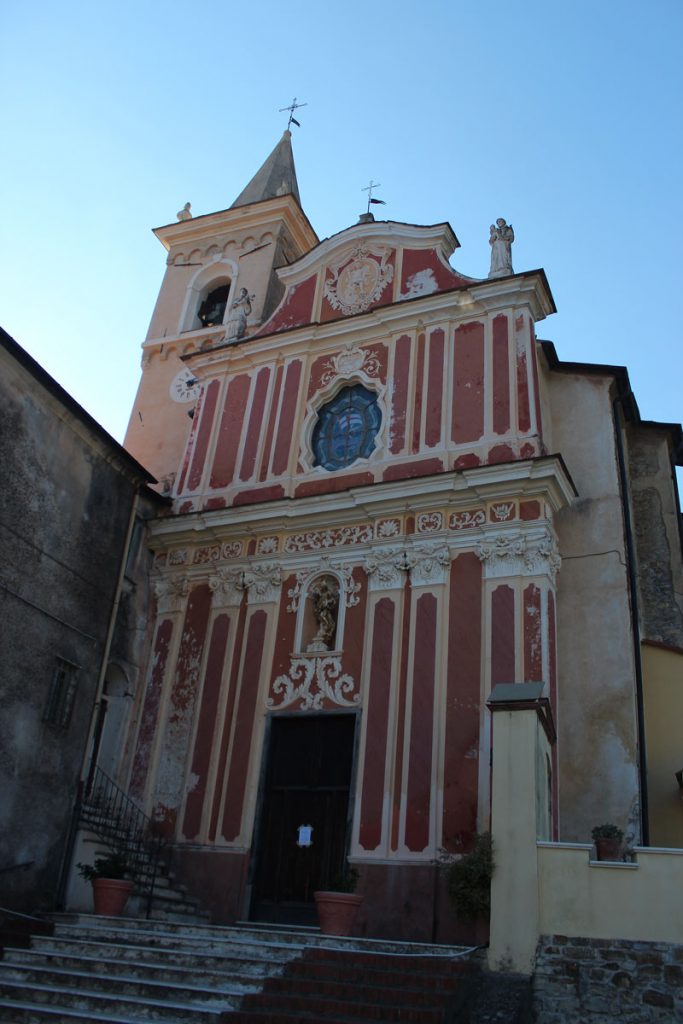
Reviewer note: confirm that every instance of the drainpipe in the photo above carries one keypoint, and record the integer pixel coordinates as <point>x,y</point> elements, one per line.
<point>622,399</point>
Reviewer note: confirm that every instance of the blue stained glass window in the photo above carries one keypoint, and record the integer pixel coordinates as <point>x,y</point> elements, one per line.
<point>346,428</point>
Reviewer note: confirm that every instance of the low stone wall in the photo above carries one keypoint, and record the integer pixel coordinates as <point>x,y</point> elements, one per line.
<point>600,981</point>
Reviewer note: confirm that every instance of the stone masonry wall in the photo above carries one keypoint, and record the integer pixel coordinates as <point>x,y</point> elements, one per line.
<point>599,981</point>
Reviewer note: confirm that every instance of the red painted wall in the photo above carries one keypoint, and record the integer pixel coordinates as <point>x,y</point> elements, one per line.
<point>421,726</point>
<point>468,384</point>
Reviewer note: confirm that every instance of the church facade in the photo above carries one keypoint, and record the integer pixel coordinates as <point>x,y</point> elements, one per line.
<point>387,497</point>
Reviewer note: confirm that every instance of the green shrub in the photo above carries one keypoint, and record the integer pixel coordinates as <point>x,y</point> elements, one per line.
<point>469,879</point>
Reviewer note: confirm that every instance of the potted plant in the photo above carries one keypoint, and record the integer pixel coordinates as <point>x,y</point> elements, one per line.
<point>607,839</point>
<point>338,906</point>
<point>111,888</point>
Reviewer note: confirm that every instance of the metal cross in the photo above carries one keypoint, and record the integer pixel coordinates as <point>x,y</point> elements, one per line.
<point>291,108</point>
<point>368,189</point>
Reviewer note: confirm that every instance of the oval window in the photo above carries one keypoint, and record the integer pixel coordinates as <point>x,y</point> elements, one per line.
<point>347,428</point>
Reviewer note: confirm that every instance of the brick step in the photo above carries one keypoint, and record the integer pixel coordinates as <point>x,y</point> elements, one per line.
<point>322,1009</point>
<point>127,1008</point>
<point>375,974</point>
<point>410,987</point>
<point>62,952</point>
<point>181,983</point>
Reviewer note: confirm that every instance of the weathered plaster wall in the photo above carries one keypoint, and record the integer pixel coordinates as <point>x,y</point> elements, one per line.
<point>657,535</point>
<point>64,513</point>
<point>596,710</point>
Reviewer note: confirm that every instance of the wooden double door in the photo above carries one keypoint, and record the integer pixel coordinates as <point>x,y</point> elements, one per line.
<point>308,775</point>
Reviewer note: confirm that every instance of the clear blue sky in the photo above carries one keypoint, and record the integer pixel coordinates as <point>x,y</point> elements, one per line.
<point>562,117</point>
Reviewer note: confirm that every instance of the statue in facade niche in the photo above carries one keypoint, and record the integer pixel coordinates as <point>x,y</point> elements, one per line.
<point>237,318</point>
<point>501,237</point>
<point>325,597</point>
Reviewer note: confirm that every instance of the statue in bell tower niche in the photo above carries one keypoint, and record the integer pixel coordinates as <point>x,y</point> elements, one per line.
<point>325,597</point>
<point>237,318</point>
<point>501,237</point>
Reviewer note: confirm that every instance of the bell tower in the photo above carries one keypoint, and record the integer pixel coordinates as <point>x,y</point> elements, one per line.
<point>219,287</point>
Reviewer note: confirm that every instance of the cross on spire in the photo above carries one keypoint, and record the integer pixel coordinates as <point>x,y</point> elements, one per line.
<point>291,108</point>
<point>368,189</point>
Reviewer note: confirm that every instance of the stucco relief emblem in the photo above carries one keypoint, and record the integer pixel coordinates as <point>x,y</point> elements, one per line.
<point>319,539</point>
<point>170,593</point>
<point>503,511</point>
<point>224,587</point>
<point>232,550</point>
<point>428,522</point>
<point>422,282</point>
<point>388,528</point>
<point>209,554</point>
<point>348,591</point>
<point>267,546</point>
<point>311,681</point>
<point>467,520</point>
<point>350,360</point>
<point>177,557</point>
<point>356,282</point>
<point>520,555</point>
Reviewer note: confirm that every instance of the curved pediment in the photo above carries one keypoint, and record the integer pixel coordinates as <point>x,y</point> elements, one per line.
<point>364,267</point>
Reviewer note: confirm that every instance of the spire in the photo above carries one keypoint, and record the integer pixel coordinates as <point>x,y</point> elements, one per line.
<point>277,176</point>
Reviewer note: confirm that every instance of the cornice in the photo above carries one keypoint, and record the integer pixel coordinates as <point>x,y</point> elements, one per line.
<point>381,232</point>
<point>254,215</point>
<point>545,477</point>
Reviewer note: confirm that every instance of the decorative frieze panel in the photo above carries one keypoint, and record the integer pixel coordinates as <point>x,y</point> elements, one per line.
<point>429,522</point>
<point>386,568</point>
<point>317,540</point>
<point>468,520</point>
<point>267,545</point>
<point>502,511</point>
<point>520,554</point>
<point>312,681</point>
<point>387,528</point>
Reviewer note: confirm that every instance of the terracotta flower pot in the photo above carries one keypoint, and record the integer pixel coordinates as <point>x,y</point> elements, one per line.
<point>337,911</point>
<point>608,849</point>
<point>110,895</point>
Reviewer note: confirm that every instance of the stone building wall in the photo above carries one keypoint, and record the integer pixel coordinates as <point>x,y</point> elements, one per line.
<point>599,981</point>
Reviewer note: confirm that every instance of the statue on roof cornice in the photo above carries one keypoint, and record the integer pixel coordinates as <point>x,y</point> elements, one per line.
<point>501,237</point>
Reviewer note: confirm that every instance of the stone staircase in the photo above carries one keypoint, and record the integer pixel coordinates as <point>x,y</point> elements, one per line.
<point>125,971</point>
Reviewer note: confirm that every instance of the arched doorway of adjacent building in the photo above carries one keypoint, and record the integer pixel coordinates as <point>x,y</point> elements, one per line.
<point>302,833</point>
<point>112,721</point>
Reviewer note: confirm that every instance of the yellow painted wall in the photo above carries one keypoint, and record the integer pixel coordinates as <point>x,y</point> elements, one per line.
<point>663,698</point>
<point>641,901</point>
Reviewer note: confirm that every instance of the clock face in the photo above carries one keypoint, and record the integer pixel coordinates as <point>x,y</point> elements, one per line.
<point>185,387</point>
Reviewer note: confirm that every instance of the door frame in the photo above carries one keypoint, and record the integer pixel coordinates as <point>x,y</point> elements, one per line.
<point>262,793</point>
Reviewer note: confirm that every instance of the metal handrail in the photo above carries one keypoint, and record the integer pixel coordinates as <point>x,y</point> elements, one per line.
<point>116,818</point>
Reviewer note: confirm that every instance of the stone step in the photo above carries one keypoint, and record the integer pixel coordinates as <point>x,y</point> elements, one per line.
<point>127,1008</point>
<point>172,937</point>
<point>17,1012</point>
<point>218,997</point>
<point>96,970</point>
<point>64,952</point>
<point>258,934</point>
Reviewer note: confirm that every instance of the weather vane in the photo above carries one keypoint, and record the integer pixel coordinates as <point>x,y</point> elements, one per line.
<point>368,189</point>
<point>291,108</point>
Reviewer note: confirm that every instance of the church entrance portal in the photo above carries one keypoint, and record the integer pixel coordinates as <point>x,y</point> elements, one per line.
<point>308,782</point>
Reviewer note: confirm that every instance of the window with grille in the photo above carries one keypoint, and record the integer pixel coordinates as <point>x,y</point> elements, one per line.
<point>62,695</point>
